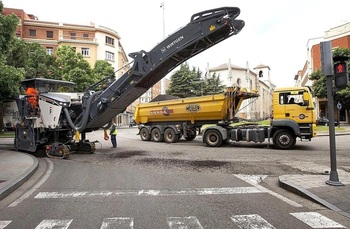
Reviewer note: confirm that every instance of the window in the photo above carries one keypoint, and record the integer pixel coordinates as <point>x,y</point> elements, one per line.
<point>86,36</point>
<point>49,34</point>
<point>73,36</point>
<point>292,97</point>
<point>109,56</point>
<point>109,41</point>
<point>32,33</point>
<point>85,52</point>
<point>49,50</point>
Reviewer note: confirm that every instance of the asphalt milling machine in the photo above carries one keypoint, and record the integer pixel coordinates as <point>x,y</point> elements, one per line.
<point>51,119</point>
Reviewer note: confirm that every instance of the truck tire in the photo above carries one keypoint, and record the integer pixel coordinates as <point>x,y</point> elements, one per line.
<point>191,134</point>
<point>145,134</point>
<point>213,138</point>
<point>170,136</point>
<point>284,139</point>
<point>157,136</point>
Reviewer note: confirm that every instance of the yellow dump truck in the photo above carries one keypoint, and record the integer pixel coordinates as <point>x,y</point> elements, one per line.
<point>172,119</point>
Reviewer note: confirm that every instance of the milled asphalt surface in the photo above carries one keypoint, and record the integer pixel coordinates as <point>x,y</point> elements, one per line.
<point>17,167</point>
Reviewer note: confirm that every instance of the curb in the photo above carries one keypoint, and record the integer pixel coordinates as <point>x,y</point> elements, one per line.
<point>285,184</point>
<point>12,185</point>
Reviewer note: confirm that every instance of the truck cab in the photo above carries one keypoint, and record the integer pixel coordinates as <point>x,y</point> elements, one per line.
<point>294,112</point>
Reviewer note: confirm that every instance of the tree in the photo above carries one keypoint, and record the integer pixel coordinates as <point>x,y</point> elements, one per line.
<point>9,75</point>
<point>182,84</point>
<point>213,84</point>
<point>103,69</point>
<point>71,66</point>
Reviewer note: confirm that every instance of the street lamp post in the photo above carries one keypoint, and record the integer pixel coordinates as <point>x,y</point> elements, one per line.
<point>162,82</point>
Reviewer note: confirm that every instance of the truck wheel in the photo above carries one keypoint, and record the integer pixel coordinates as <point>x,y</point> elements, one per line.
<point>145,135</point>
<point>283,139</point>
<point>156,135</point>
<point>170,136</point>
<point>213,138</point>
<point>191,134</point>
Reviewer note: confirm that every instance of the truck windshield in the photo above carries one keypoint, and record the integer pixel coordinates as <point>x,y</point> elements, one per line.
<point>292,97</point>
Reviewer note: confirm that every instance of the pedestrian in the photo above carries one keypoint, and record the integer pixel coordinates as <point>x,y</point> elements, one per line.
<point>113,132</point>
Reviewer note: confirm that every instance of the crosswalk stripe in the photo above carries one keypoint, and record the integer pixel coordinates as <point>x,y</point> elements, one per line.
<point>316,220</point>
<point>54,223</point>
<point>4,223</point>
<point>252,221</point>
<point>151,192</point>
<point>118,223</point>
<point>190,222</point>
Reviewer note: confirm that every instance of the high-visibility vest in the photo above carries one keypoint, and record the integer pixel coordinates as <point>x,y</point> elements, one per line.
<point>115,132</point>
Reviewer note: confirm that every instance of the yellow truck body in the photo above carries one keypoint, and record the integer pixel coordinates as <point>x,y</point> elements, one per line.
<point>193,109</point>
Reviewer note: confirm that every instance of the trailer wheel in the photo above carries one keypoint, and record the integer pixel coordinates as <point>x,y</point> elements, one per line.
<point>170,136</point>
<point>191,134</point>
<point>213,138</point>
<point>283,139</point>
<point>156,135</point>
<point>145,134</point>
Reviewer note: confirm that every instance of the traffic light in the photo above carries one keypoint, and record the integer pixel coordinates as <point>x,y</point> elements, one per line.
<point>341,74</point>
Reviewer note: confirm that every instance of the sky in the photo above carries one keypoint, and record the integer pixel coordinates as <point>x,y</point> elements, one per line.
<point>276,32</point>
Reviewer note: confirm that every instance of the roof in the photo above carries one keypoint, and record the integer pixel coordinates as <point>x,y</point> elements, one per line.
<point>225,67</point>
<point>262,66</point>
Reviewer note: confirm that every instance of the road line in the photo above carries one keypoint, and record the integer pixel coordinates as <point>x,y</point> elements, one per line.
<point>316,220</point>
<point>54,223</point>
<point>186,192</point>
<point>35,187</point>
<point>118,223</point>
<point>251,221</point>
<point>256,179</point>
<point>4,223</point>
<point>190,222</point>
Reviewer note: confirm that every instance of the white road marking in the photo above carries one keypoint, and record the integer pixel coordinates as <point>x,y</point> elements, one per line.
<point>118,223</point>
<point>251,222</point>
<point>256,179</point>
<point>4,223</point>
<point>185,192</point>
<point>190,222</point>
<point>35,187</point>
<point>54,223</point>
<point>316,220</point>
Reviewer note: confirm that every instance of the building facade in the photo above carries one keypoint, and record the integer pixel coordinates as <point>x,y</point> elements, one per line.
<point>232,75</point>
<point>340,38</point>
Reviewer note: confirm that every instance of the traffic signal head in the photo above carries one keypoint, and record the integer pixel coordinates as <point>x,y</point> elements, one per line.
<point>341,74</point>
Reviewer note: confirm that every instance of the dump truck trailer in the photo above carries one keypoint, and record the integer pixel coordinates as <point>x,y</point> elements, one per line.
<point>170,120</point>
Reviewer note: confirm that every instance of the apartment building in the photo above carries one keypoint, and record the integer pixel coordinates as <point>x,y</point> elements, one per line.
<point>340,38</point>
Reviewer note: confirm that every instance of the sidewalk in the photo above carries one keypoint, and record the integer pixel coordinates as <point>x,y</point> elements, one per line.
<point>17,167</point>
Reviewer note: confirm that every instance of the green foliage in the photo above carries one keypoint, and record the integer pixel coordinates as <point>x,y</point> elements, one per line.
<point>71,66</point>
<point>182,82</point>
<point>103,69</point>
<point>213,85</point>
<point>8,25</point>
<point>319,84</point>
<point>9,81</point>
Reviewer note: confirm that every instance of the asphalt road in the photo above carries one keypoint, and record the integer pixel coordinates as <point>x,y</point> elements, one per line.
<point>158,185</point>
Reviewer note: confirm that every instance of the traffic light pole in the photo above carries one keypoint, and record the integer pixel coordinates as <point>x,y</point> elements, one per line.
<point>327,69</point>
